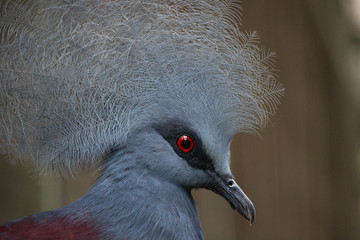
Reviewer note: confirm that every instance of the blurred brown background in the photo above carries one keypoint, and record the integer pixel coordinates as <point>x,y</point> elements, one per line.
<point>302,174</point>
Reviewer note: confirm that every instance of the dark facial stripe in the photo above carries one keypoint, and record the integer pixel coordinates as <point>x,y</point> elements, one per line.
<point>197,157</point>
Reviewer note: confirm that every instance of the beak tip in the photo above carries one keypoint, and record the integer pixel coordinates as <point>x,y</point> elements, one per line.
<point>251,220</point>
<point>251,214</point>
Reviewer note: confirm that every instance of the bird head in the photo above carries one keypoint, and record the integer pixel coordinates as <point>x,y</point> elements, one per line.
<point>194,157</point>
<point>188,140</point>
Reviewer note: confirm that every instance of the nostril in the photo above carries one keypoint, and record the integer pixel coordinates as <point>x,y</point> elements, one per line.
<point>231,183</point>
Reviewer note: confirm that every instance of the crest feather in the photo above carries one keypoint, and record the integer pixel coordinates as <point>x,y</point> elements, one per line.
<point>78,76</point>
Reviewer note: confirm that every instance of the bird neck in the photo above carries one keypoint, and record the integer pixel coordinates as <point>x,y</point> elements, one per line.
<point>136,204</point>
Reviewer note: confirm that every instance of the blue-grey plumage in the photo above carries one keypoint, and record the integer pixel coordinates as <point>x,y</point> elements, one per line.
<point>151,91</point>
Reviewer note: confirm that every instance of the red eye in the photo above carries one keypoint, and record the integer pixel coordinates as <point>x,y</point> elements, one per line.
<point>185,143</point>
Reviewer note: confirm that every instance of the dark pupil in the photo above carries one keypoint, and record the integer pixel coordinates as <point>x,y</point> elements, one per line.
<point>186,144</point>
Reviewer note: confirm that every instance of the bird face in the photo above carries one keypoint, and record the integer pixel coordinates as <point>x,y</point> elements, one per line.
<point>196,158</point>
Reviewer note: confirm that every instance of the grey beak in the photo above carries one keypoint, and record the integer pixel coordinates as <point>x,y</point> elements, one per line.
<point>226,187</point>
